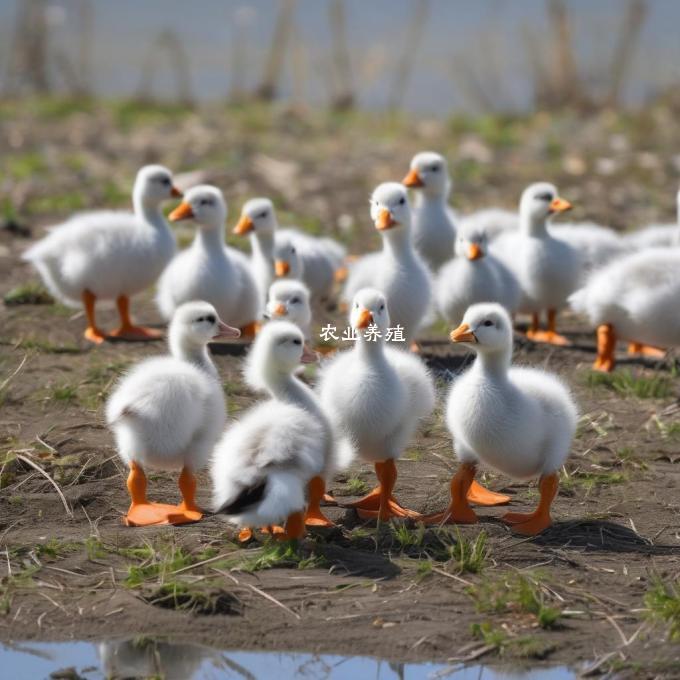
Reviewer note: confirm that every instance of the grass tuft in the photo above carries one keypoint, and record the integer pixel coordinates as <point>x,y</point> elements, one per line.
<point>356,486</point>
<point>628,385</point>
<point>663,603</point>
<point>28,294</point>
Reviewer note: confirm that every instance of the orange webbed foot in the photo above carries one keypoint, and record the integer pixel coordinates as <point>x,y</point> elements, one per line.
<point>478,495</point>
<point>462,515</point>
<point>328,499</point>
<point>150,514</point>
<point>646,350</point>
<point>136,333</point>
<point>316,518</point>
<point>245,534</point>
<point>393,510</point>
<point>93,334</point>
<point>527,524</point>
<point>371,501</point>
<point>548,337</point>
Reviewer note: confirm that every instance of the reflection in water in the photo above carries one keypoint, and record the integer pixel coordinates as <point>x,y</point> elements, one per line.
<point>149,658</point>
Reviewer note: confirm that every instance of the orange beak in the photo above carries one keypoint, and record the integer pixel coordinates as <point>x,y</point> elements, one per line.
<point>243,226</point>
<point>182,212</point>
<point>462,334</point>
<point>365,319</point>
<point>385,220</point>
<point>558,205</point>
<point>474,252</point>
<point>281,267</point>
<point>309,356</point>
<point>175,192</point>
<point>412,180</point>
<point>280,310</point>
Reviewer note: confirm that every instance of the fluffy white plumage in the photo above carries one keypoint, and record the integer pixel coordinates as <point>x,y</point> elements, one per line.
<point>397,271</point>
<point>433,225</point>
<point>207,270</point>
<point>473,276</point>
<point>277,446</point>
<point>168,412</point>
<point>548,269</point>
<point>492,221</point>
<point>656,235</point>
<point>374,395</point>
<point>289,300</point>
<point>637,295</point>
<point>520,421</point>
<point>319,257</point>
<point>109,253</point>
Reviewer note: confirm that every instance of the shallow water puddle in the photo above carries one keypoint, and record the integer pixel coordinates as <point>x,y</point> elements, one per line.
<point>179,661</point>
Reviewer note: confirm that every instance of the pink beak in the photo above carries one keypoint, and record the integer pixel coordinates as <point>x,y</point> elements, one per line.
<point>224,331</point>
<point>309,356</point>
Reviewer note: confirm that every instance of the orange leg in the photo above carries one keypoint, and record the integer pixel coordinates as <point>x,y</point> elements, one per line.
<point>314,517</point>
<point>606,344</point>
<point>127,330</point>
<point>646,350</point>
<point>551,336</point>
<point>534,327</point>
<point>244,535</point>
<point>478,495</point>
<point>142,512</point>
<point>532,523</point>
<point>380,503</point>
<point>459,510</point>
<point>329,500</point>
<point>250,330</point>
<point>92,332</point>
<point>295,528</point>
<point>187,510</point>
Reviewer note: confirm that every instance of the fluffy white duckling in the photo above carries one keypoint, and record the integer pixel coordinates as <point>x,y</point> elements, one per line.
<point>520,421</point>
<point>492,221</point>
<point>548,269</point>
<point>375,396</point>
<point>168,412</point>
<point>207,270</point>
<point>110,255</point>
<point>656,235</point>
<point>289,300</point>
<point>472,276</point>
<point>287,262</point>
<point>319,257</point>
<point>434,230</point>
<point>265,463</point>
<point>397,271</point>
<point>634,299</point>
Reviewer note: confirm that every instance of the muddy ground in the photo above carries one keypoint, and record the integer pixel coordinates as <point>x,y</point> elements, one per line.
<point>588,593</point>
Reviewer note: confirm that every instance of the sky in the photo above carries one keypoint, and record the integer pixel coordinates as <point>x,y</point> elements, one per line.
<point>485,38</point>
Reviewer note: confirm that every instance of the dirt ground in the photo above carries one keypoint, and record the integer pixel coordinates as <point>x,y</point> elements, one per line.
<point>586,593</point>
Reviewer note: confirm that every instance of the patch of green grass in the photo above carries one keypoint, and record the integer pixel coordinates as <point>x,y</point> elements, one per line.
<point>64,392</point>
<point>59,204</point>
<point>517,593</point>
<point>663,603</point>
<point>25,165</point>
<point>32,293</point>
<point>131,113</point>
<point>408,538</point>
<point>195,599</point>
<point>46,346</point>
<point>160,561</point>
<point>628,385</point>
<point>589,480</point>
<point>668,430</point>
<point>469,555</point>
<point>20,579</point>
<point>96,550</point>
<point>278,554</point>
<point>55,548</point>
<point>357,486</point>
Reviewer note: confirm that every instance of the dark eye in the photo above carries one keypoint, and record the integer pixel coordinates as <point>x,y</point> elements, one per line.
<point>547,197</point>
<point>263,214</point>
<point>200,319</point>
<point>297,341</point>
<point>381,308</point>
<point>210,318</point>
<point>206,201</point>
<point>402,200</point>
<point>292,250</point>
<point>435,168</point>
<point>294,301</point>
<point>165,182</point>
<point>488,322</point>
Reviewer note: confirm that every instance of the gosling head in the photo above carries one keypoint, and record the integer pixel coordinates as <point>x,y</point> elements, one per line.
<point>154,185</point>
<point>195,324</point>
<point>204,204</point>
<point>287,262</point>
<point>486,327</point>
<point>257,216</point>
<point>369,307</point>
<point>471,244</point>
<point>429,172</point>
<point>289,300</point>
<point>278,350</point>
<point>390,208</point>
<point>540,202</point>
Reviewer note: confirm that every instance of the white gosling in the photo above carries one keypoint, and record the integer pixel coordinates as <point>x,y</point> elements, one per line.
<point>473,276</point>
<point>397,271</point>
<point>110,255</point>
<point>548,269</point>
<point>168,412</point>
<point>266,462</point>
<point>320,257</point>
<point>434,230</point>
<point>287,262</point>
<point>656,235</point>
<point>375,397</point>
<point>289,300</point>
<point>519,421</point>
<point>634,298</point>
<point>207,270</point>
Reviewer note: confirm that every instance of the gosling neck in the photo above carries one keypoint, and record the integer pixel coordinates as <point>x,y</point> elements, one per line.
<point>211,238</point>
<point>286,387</point>
<point>533,226</point>
<point>148,210</point>
<point>397,242</point>
<point>370,350</point>
<point>263,243</point>
<point>495,362</point>
<point>192,352</point>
